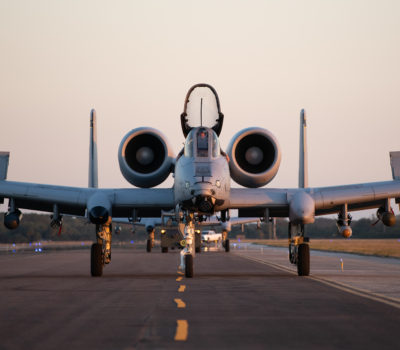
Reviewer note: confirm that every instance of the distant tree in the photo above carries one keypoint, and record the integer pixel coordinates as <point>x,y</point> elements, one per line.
<point>36,227</point>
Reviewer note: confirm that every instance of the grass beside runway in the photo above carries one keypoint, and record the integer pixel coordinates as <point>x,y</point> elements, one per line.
<point>376,247</point>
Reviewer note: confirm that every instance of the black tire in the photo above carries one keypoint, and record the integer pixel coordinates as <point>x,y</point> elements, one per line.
<point>148,246</point>
<point>198,250</point>
<point>164,249</point>
<point>189,265</point>
<point>96,260</point>
<point>227,246</point>
<point>303,260</point>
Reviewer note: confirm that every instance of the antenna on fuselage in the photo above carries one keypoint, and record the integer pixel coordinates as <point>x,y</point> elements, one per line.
<point>303,155</point>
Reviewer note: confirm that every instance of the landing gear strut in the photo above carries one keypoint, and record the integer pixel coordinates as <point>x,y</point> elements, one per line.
<point>150,240</point>
<point>188,252</point>
<point>100,253</point>
<point>299,250</point>
<point>225,241</point>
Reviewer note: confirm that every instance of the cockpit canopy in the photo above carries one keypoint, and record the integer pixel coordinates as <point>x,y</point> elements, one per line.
<point>202,143</point>
<point>201,109</point>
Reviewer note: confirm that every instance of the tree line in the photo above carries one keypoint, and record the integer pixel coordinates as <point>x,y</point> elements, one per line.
<point>36,227</point>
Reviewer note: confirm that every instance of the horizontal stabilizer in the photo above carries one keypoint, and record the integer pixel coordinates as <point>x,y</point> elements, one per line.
<point>4,157</point>
<point>395,164</point>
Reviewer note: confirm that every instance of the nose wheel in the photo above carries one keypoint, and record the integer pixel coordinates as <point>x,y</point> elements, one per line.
<point>188,252</point>
<point>189,265</point>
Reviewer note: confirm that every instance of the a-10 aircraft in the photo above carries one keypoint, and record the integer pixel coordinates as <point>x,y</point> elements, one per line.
<point>202,174</point>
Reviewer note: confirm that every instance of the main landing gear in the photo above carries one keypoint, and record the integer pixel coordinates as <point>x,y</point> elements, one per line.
<point>299,250</point>
<point>100,253</point>
<point>188,252</point>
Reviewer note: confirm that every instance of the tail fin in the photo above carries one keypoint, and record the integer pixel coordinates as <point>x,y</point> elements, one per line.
<point>93,175</point>
<point>395,164</point>
<point>4,157</point>
<point>303,156</point>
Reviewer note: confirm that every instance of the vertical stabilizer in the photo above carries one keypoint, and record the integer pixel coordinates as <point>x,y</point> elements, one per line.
<point>93,177</point>
<point>303,156</point>
<point>4,157</point>
<point>395,164</point>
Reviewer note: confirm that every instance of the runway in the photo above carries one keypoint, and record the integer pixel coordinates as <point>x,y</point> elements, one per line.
<point>247,299</point>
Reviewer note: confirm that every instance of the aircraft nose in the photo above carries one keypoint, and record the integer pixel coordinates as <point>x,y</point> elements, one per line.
<point>203,189</point>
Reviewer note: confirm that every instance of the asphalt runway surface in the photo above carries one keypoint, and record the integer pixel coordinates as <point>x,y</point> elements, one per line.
<point>249,298</point>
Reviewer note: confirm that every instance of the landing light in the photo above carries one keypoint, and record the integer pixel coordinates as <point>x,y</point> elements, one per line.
<point>163,231</point>
<point>218,183</point>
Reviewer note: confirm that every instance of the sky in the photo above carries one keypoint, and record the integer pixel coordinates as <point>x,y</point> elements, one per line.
<point>133,61</point>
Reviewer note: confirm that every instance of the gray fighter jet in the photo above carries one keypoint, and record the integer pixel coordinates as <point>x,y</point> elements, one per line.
<point>202,174</point>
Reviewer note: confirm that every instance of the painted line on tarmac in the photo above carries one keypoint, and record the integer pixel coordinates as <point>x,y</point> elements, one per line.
<point>353,290</point>
<point>182,328</point>
<point>179,303</point>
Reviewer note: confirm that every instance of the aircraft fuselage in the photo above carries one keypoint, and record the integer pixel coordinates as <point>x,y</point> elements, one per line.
<point>202,178</point>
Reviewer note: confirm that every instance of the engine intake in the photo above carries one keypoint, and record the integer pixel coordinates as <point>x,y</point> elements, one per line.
<point>145,157</point>
<point>255,157</point>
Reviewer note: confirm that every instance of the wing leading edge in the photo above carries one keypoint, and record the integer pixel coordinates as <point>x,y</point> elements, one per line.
<point>74,200</point>
<point>327,200</point>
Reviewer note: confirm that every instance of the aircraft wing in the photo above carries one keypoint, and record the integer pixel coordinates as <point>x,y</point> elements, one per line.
<point>75,200</point>
<point>252,202</point>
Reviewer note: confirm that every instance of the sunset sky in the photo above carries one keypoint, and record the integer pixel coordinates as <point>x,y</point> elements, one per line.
<point>133,61</point>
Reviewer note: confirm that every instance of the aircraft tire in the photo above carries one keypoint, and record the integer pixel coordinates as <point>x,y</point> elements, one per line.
<point>148,246</point>
<point>227,246</point>
<point>164,249</point>
<point>189,265</point>
<point>96,260</point>
<point>303,260</point>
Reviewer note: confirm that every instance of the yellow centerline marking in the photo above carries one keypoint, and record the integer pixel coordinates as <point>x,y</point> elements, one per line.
<point>179,279</point>
<point>353,290</point>
<point>182,288</point>
<point>179,303</point>
<point>182,328</point>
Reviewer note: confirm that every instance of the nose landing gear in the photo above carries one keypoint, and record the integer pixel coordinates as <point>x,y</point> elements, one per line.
<point>187,253</point>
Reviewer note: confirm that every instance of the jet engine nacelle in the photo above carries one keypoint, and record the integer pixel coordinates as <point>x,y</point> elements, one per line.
<point>145,157</point>
<point>255,157</point>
